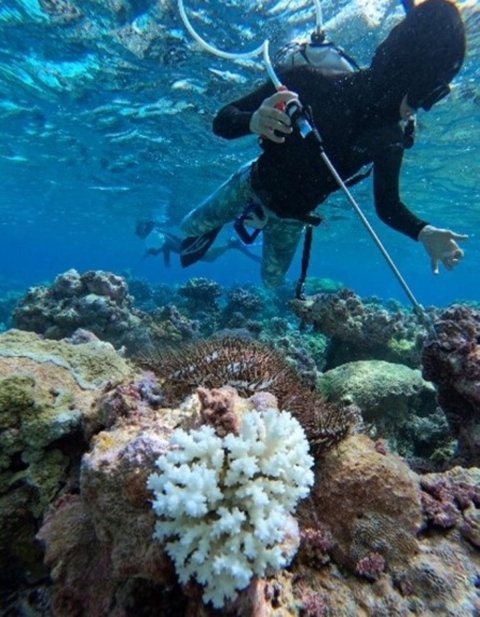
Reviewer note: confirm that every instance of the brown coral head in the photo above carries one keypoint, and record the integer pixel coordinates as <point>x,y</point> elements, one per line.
<point>218,410</point>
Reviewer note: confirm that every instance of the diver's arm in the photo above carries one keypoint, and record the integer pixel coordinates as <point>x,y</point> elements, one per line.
<point>173,244</point>
<point>236,243</point>
<point>390,209</point>
<point>214,253</point>
<point>166,257</point>
<point>233,120</point>
<point>249,254</point>
<point>440,244</point>
<point>255,113</point>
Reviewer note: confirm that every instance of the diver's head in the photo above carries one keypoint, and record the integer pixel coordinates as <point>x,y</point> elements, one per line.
<point>421,55</point>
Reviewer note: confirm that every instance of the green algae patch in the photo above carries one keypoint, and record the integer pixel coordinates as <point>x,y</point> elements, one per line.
<point>17,394</point>
<point>48,387</point>
<point>48,391</point>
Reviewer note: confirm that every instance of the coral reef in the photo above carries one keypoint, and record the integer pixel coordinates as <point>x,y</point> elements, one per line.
<point>358,331</point>
<point>242,304</point>
<point>165,326</point>
<point>307,352</point>
<point>379,500</point>
<point>452,500</point>
<point>47,392</point>
<point>99,302</point>
<point>452,362</point>
<point>60,11</point>
<point>82,430</point>
<point>368,541</point>
<point>371,566</point>
<point>378,514</point>
<point>8,301</point>
<point>149,297</point>
<point>201,294</point>
<point>397,404</point>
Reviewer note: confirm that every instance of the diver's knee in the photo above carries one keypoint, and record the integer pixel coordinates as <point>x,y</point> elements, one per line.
<point>194,223</point>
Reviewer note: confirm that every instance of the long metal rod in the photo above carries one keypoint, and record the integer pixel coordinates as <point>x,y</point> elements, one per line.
<point>419,310</point>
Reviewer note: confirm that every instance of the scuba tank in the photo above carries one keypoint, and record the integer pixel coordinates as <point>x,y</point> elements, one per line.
<point>317,52</point>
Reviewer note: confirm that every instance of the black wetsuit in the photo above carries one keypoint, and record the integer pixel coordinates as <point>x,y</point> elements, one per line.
<point>359,126</point>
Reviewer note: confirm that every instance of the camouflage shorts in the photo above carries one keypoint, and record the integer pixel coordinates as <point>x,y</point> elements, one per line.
<point>280,236</point>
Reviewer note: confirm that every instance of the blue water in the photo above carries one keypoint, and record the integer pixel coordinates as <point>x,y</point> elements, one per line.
<point>105,115</point>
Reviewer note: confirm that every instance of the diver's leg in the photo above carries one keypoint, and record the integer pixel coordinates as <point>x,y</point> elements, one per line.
<point>280,240</point>
<point>223,206</point>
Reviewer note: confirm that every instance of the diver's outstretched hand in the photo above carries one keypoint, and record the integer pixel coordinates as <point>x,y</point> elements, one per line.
<point>441,245</point>
<point>269,120</point>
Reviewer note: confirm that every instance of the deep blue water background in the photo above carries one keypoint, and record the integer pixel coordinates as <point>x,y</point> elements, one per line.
<point>105,113</point>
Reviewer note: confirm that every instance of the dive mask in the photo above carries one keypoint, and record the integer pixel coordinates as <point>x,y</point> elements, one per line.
<point>427,101</point>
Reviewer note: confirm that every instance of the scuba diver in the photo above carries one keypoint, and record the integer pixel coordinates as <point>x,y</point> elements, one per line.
<point>361,118</point>
<point>160,241</point>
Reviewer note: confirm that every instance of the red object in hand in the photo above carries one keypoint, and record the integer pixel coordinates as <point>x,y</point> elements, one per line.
<point>281,106</point>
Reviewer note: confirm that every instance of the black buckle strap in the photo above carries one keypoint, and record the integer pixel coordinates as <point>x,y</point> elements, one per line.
<point>307,249</point>
<point>246,236</point>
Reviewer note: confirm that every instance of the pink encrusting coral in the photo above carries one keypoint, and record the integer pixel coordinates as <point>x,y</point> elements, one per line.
<point>371,566</point>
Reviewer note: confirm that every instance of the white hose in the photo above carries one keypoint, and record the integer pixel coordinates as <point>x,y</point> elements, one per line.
<point>319,15</point>
<point>262,49</point>
<point>213,50</point>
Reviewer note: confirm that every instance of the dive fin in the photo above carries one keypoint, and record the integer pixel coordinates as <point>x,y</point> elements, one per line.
<point>194,247</point>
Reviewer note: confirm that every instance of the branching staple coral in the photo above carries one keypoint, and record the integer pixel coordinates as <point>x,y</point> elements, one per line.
<point>224,504</point>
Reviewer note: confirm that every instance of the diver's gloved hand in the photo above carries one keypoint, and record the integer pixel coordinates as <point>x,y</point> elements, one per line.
<point>441,245</point>
<point>270,120</point>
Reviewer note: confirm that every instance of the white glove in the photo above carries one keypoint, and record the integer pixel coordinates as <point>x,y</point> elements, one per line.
<point>441,246</point>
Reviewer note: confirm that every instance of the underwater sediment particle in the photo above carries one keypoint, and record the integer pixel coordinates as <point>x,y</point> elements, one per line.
<point>249,367</point>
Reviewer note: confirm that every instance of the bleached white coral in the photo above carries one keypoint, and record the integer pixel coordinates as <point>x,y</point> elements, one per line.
<point>224,504</point>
